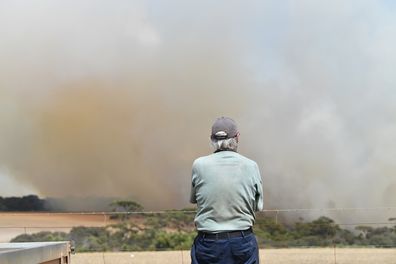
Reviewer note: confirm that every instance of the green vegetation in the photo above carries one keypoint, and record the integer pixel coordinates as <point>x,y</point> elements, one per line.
<point>133,230</point>
<point>65,204</point>
<point>322,232</point>
<point>25,203</point>
<point>175,230</point>
<point>138,232</point>
<point>124,206</point>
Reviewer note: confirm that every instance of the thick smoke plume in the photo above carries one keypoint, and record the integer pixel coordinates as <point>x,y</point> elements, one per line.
<point>99,102</point>
<point>117,99</point>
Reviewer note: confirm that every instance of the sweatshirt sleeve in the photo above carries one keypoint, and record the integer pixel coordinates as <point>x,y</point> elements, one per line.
<point>259,198</point>
<point>193,198</point>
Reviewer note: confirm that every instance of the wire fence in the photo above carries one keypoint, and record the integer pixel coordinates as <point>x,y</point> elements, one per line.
<point>107,216</point>
<point>12,223</point>
<point>28,225</point>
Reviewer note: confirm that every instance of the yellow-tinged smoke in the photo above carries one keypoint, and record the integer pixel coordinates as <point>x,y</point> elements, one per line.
<point>89,139</point>
<point>110,104</point>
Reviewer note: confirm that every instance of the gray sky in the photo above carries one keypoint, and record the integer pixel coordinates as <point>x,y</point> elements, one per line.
<point>117,98</point>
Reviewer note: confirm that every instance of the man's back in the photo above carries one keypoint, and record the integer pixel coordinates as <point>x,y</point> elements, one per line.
<point>227,189</point>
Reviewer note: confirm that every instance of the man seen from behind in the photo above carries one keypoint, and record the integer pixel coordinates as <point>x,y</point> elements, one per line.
<point>227,189</point>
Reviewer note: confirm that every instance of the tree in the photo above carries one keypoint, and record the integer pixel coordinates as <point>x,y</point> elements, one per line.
<point>125,206</point>
<point>324,227</point>
<point>364,230</point>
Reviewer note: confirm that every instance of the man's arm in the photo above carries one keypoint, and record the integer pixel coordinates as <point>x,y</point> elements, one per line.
<point>193,198</point>
<point>259,198</point>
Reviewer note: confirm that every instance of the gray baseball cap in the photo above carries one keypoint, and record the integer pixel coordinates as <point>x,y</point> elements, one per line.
<point>224,128</point>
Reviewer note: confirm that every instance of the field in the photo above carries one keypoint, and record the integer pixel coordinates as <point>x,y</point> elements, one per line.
<point>267,256</point>
<point>13,224</point>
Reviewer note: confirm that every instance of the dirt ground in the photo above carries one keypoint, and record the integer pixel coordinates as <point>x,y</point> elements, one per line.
<point>13,224</point>
<point>267,256</point>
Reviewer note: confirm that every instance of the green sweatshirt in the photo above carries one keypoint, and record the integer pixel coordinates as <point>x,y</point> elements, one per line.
<point>227,189</point>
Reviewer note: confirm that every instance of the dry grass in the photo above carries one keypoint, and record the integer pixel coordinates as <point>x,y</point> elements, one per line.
<point>267,256</point>
<point>13,224</point>
<point>51,222</point>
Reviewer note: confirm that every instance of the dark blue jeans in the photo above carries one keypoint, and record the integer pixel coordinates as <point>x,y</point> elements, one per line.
<point>238,250</point>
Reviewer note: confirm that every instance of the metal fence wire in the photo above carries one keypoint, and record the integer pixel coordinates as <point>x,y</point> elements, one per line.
<point>103,219</point>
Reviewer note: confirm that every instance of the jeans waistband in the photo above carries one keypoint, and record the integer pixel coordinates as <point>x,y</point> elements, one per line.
<point>226,235</point>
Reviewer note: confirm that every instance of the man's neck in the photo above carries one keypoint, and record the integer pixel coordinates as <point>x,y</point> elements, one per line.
<point>220,150</point>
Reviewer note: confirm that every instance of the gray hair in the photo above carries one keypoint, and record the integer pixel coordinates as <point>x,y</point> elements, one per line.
<point>225,144</point>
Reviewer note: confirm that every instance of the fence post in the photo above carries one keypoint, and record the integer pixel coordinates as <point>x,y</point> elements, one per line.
<point>335,253</point>
<point>104,219</point>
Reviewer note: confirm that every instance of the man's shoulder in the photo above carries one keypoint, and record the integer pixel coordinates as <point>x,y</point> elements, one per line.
<point>247,160</point>
<point>211,157</point>
<point>201,160</point>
